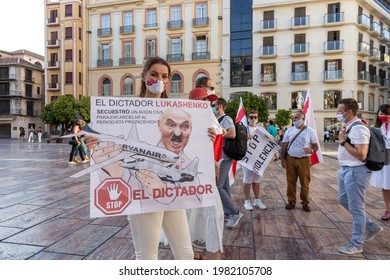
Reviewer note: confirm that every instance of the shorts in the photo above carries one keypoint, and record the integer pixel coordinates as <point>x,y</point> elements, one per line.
<point>250,176</point>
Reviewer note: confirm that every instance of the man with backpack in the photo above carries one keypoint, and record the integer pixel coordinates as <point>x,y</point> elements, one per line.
<point>231,211</point>
<point>354,175</point>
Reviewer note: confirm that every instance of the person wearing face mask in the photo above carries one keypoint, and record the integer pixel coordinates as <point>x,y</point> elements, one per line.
<point>381,179</point>
<point>207,84</point>
<point>354,176</point>
<point>299,142</point>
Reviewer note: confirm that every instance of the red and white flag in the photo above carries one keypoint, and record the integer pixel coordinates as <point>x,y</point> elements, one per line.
<point>310,122</point>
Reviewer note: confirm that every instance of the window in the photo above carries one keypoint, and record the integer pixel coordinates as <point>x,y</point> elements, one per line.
<point>175,13</point>
<point>200,75</point>
<point>300,18</point>
<point>332,99</point>
<point>105,25</point>
<point>68,55</point>
<point>80,78</point>
<point>270,99</point>
<point>28,76</point>
<point>371,102</point>
<point>80,12</point>
<point>4,88</point>
<point>268,46</point>
<point>300,71</point>
<point>105,52</point>
<point>151,18</point>
<point>68,78</point>
<point>68,32</point>
<point>300,45</point>
<point>201,10</point>
<point>80,56</point>
<point>333,69</point>
<point>127,18</point>
<point>30,108</point>
<point>174,50</point>
<point>80,34</point>
<point>381,100</point>
<point>128,86</point>
<point>5,107</point>
<point>360,100</point>
<point>128,49</point>
<point>106,87</point>
<point>298,99</point>
<point>150,47</point>
<point>333,42</point>
<point>28,90</point>
<point>269,22</point>
<point>68,10</point>
<point>268,73</point>
<point>176,84</point>
<point>201,44</point>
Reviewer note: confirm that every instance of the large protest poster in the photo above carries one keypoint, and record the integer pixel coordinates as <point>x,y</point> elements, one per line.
<point>259,153</point>
<point>153,155</point>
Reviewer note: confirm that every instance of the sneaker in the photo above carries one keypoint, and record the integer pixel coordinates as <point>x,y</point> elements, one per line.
<point>368,235</point>
<point>247,205</point>
<point>201,244</point>
<point>350,249</point>
<point>234,220</point>
<point>259,204</point>
<point>85,161</point>
<point>76,160</point>
<point>71,162</point>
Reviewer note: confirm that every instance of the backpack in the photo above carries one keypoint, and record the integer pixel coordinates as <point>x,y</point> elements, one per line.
<point>376,148</point>
<point>235,148</point>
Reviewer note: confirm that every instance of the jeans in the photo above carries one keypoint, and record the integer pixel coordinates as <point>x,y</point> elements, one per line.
<point>353,181</point>
<point>224,187</point>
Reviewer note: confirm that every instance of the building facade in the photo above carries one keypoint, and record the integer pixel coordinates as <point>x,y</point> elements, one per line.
<point>283,48</point>
<point>21,92</point>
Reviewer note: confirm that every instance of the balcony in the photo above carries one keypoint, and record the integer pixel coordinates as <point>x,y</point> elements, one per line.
<point>7,77</point>
<point>53,65</point>
<point>363,49</point>
<point>150,25</point>
<point>333,19</point>
<point>384,84</point>
<point>385,60</point>
<point>104,62</point>
<point>127,61</point>
<point>268,51</point>
<point>29,79</point>
<point>175,57</point>
<point>375,29</point>
<point>241,80</point>
<point>10,93</point>
<point>105,31</point>
<point>125,29</point>
<point>299,78</point>
<point>204,21</point>
<point>300,49</point>
<point>375,55</point>
<point>375,80</point>
<point>363,77</point>
<point>53,43</point>
<point>333,76</point>
<point>385,36</point>
<point>334,46</point>
<point>268,79</point>
<point>53,86</point>
<point>200,55</point>
<point>53,21</point>
<point>300,22</point>
<point>175,24</point>
<point>268,25</point>
<point>364,22</point>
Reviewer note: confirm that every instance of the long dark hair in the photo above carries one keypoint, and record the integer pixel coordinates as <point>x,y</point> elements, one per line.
<point>385,109</point>
<point>148,64</point>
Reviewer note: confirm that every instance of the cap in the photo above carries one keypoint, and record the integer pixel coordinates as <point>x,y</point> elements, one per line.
<point>201,94</point>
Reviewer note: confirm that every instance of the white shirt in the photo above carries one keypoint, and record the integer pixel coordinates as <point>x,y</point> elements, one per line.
<point>359,134</point>
<point>304,140</point>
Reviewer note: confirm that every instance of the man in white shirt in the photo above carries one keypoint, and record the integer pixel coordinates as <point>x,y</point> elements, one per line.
<point>354,176</point>
<point>299,142</point>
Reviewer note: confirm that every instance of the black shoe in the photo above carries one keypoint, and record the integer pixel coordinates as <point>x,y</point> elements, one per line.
<point>306,208</point>
<point>290,205</point>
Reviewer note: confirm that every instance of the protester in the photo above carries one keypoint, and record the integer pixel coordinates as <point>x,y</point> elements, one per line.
<point>273,131</point>
<point>354,176</point>
<point>31,131</point>
<point>39,133</point>
<point>251,178</point>
<point>207,84</point>
<point>381,179</point>
<point>298,144</point>
<point>231,211</point>
<point>22,133</point>
<point>76,147</point>
<point>326,136</point>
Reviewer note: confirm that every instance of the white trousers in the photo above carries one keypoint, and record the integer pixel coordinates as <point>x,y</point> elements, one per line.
<point>39,137</point>
<point>146,229</point>
<point>31,137</point>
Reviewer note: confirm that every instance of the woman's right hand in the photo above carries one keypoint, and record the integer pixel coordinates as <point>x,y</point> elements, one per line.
<point>90,142</point>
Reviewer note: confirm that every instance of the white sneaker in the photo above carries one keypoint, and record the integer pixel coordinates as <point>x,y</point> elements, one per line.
<point>234,220</point>
<point>71,163</point>
<point>247,205</point>
<point>259,204</point>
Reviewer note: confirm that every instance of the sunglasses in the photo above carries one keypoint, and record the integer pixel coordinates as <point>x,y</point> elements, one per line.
<point>210,88</point>
<point>253,117</point>
<point>214,105</point>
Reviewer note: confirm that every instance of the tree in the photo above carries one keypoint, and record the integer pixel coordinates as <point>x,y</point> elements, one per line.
<point>62,111</point>
<point>250,102</point>
<point>283,117</point>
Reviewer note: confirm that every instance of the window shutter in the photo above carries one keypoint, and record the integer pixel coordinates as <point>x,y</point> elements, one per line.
<point>340,64</point>
<point>300,12</point>
<point>326,65</point>
<point>268,15</point>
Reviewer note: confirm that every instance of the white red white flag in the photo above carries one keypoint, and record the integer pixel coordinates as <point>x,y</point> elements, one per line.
<point>310,122</point>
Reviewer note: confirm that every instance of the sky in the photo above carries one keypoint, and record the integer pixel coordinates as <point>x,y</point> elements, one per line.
<point>22,25</point>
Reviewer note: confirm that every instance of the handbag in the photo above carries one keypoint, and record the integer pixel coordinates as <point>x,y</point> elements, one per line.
<point>72,142</point>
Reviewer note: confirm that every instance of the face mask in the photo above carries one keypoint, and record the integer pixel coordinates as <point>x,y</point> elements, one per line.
<point>210,91</point>
<point>384,118</point>
<point>340,117</point>
<point>251,122</point>
<point>215,112</point>
<point>155,87</point>
<point>298,123</point>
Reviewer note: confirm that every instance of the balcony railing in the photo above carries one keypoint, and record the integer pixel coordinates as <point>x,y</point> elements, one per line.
<point>268,25</point>
<point>127,61</point>
<point>126,29</point>
<point>300,76</point>
<point>105,31</point>
<point>385,59</point>
<point>104,62</point>
<point>175,57</point>
<point>268,51</point>
<point>173,24</point>
<point>52,64</point>
<point>385,36</point>
<point>5,77</point>
<point>200,55</point>
<point>334,18</point>
<point>300,22</point>
<point>11,93</point>
<point>53,43</point>
<point>363,77</point>
<point>374,80</point>
<point>268,78</point>
<point>375,29</point>
<point>333,75</point>
<point>241,80</point>
<point>363,49</point>
<point>204,21</point>
<point>150,25</point>
<point>375,54</point>
<point>300,48</point>
<point>28,79</point>
<point>53,21</point>
<point>364,21</point>
<point>53,86</point>
<point>385,83</point>
<point>334,46</point>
